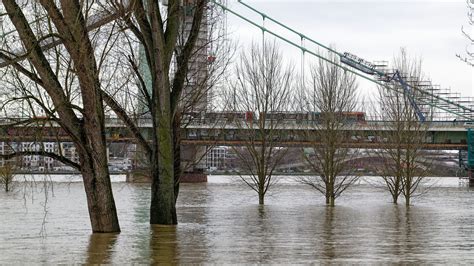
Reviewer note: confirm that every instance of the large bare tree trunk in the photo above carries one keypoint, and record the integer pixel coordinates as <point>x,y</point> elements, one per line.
<point>177,154</point>
<point>100,200</point>
<point>87,130</point>
<point>95,173</point>
<point>162,209</point>
<point>158,29</point>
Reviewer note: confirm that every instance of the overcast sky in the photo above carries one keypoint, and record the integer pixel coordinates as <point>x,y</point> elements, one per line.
<point>375,30</point>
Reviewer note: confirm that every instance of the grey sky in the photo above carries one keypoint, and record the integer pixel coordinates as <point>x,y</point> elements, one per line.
<point>375,30</point>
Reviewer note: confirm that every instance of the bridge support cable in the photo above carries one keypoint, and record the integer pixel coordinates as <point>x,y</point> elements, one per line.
<point>355,67</point>
<point>263,34</point>
<point>301,35</point>
<point>303,82</point>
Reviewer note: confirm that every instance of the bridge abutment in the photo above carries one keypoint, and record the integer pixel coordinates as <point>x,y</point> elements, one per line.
<point>193,164</point>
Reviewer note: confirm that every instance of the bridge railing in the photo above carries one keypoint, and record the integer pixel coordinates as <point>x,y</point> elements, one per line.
<point>204,122</point>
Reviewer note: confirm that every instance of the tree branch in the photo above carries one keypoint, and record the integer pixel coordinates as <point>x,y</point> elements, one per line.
<point>41,153</point>
<point>185,56</point>
<point>112,103</point>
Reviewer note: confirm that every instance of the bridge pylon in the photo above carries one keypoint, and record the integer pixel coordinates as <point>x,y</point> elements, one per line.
<point>470,156</point>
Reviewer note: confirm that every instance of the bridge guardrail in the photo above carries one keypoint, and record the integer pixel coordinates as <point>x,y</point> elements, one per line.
<point>220,122</point>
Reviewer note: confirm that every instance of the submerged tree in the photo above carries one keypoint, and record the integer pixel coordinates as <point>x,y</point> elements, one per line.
<point>7,171</point>
<point>404,165</point>
<point>171,40</point>
<point>330,100</point>
<point>261,93</point>
<point>64,86</point>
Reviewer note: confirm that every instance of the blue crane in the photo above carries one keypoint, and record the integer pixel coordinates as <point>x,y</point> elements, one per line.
<point>370,69</point>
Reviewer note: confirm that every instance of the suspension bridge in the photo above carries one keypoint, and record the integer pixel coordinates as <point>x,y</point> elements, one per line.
<point>430,102</point>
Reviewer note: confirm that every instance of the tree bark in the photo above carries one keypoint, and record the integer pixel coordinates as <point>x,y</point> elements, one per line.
<point>261,192</point>
<point>395,198</point>
<point>332,201</point>
<point>163,208</point>
<point>159,37</point>
<point>100,200</point>
<point>177,154</point>
<point>261,198</point>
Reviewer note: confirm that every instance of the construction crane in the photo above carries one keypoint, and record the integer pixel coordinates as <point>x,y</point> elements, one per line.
<point>370,69</point>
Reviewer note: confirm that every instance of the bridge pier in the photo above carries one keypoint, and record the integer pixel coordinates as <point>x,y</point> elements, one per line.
<point>193,163</point>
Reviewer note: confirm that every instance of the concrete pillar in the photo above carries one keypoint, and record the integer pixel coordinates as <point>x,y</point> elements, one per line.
<point>193,163</point>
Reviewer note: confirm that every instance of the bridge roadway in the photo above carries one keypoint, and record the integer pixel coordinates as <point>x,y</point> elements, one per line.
<point>446,135</point>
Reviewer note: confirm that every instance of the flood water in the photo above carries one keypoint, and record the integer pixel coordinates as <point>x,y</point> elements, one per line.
<point>221,222</point>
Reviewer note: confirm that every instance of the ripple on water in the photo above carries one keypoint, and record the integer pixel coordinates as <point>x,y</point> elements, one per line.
<point>220,222</point>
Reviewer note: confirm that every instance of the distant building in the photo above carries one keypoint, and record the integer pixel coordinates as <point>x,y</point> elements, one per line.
<point>30,162</point>
<point>69,151</point>
<point>216,158</point>
<point>7,148</point>
<point>38,162</point>
<point>196,86</point>
<point>123,155</point>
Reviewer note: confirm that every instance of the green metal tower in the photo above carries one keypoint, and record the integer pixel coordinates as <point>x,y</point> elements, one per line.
<point>470,148</point>
<point>470,156</point>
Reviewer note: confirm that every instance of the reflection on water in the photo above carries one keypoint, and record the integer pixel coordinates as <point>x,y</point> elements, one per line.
<point>328,250</point>
<point>164,244</point>
<point>220,222</point>
<point>100,248</point>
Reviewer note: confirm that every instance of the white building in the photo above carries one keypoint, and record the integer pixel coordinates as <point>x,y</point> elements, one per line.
<point>38,162</point>
<point>69,151</point>
<point>216,158</point>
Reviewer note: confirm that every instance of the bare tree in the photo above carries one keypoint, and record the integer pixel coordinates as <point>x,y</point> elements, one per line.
<point>260,96</point>
<point>468,58</point>
<point>55,74</point>
<point>331,99</point>
<point>171,40</point>
<point>204,80</point>
<point>403,164</point>
<point>7,171</point>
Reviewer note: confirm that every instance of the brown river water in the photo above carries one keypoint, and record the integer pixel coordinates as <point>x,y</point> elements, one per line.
<point>221,222</point>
